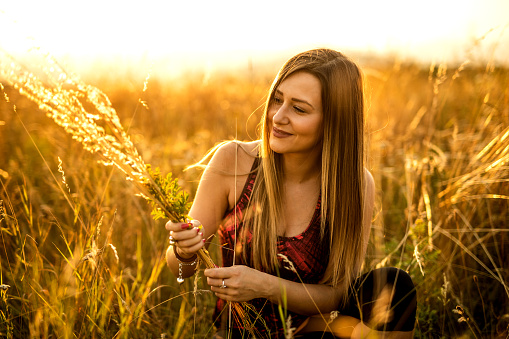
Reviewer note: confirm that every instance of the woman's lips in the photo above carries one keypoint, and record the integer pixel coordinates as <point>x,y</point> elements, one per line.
<point>280,133</point>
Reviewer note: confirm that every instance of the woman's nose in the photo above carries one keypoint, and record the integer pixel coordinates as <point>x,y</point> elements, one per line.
<point>280,116</point>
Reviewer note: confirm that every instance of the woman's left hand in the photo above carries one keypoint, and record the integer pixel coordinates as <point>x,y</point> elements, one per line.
<point>242,283</point>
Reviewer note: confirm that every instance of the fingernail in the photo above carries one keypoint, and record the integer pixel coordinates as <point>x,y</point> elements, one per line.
<point>201,233</point>
<point>203,240</point>
<point>184,226</point>
<point>197,230</point>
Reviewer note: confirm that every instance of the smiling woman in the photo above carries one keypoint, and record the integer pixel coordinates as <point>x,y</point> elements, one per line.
<point>293,214</point>
<point>295,116</point>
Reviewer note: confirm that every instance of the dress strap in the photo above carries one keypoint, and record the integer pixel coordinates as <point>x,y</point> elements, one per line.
<point>245,195</point>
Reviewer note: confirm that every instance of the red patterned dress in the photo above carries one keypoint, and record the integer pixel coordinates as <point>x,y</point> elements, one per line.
<point>308,253</point>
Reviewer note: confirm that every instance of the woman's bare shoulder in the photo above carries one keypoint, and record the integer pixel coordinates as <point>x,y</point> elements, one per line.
<point>234,154</point>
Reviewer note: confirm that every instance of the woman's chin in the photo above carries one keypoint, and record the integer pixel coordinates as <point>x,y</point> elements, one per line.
<point>276,146</point>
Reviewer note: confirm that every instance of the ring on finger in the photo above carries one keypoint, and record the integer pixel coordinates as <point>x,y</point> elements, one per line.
<point>223,285</point>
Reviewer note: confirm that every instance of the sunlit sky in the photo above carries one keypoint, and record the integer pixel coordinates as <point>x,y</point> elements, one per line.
<point>199,34</point>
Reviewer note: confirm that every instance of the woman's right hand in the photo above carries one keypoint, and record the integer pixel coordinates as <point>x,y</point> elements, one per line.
<point>188,237</point>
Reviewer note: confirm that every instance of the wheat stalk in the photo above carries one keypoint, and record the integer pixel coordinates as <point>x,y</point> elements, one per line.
<point>87,114</point>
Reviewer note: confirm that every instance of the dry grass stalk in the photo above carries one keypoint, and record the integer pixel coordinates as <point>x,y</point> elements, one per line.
<point>87,114</point>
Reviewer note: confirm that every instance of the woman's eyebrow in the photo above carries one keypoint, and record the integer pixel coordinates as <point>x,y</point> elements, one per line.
<point>296,99</point>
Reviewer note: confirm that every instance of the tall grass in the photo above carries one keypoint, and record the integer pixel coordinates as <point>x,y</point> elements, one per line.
<point>84,259</point>
<point>441,168</point>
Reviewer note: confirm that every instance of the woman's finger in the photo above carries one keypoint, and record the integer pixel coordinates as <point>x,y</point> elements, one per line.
<point>191,242</point>
<point>217,283</point>
<point>229,294</point>
<point>188,241</point>
<point>195,223</point>
<point>219,273</point>
<point>187,234</point>
<point>177,226</point>
<point>191,249</point>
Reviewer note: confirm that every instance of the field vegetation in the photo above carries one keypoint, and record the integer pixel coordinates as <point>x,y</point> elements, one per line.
<point>80,255</point>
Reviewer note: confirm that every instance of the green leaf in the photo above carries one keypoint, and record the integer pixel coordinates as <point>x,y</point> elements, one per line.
<point>165,191</point>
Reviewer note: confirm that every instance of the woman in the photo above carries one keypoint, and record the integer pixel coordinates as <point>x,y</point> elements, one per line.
<point>293,212</point>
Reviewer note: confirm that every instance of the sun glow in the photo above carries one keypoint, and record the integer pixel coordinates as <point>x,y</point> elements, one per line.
<point>201,33</point>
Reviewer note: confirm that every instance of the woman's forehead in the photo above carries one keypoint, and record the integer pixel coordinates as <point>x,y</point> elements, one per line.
<point>302,85</point>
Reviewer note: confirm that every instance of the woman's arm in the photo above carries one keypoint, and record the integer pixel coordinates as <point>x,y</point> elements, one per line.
<point>244,283</point>
<point>208,209</point>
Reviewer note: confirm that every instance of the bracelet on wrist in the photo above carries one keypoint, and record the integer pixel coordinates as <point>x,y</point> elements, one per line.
<point>184,262</point>
<point>182,259</point>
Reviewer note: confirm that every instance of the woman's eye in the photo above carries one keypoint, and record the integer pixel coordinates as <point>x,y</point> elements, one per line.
<point>277,100</point>
<point>298,109</point>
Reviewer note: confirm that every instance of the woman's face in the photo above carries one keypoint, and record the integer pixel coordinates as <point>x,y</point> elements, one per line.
<point>295,115</point>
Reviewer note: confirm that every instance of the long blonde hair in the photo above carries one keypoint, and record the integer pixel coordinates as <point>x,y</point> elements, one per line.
<point>342,167</point>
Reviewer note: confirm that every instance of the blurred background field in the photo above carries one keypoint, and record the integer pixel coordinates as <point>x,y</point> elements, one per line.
<point>80,255</point>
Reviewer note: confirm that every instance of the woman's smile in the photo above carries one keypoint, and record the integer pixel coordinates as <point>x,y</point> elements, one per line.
<point>280,133</point>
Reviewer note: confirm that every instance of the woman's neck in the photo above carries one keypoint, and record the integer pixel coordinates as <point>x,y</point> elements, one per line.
<point>299,168</point>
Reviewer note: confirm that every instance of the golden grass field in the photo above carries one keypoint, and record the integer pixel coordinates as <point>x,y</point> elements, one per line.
<point>80,255</point>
